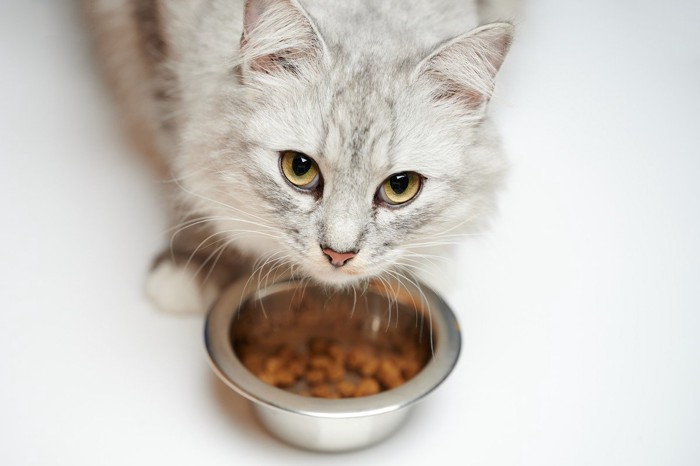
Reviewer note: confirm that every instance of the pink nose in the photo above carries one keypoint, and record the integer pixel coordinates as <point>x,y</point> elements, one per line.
<point>338,259</point>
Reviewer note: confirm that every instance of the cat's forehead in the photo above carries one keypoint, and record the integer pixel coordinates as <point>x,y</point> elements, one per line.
<point>361,119</point>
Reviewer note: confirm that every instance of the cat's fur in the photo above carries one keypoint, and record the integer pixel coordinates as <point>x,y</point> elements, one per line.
<point>215,89</point>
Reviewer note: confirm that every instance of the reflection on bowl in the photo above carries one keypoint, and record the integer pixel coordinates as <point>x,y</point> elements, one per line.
<point>332,370</point>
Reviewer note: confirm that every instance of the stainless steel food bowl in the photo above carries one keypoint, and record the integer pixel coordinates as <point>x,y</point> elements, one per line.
<point>332,424</point>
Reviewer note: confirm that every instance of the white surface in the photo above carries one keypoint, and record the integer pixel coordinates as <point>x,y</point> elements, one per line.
<point>580,309</point>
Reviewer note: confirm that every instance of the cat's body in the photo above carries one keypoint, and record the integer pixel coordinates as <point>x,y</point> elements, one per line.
<point>235,100</point>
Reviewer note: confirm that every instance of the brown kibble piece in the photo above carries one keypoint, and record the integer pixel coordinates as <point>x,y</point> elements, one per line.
<point>336,373</point>
<point>346,389</point>
<point>369,367</point>
<point>315,376</point>
<point>366,387</point>
<point>324,391</point>
<point>297,366</point>
<point>357,357</point>
<point>389,374</point>
<point>285,378</point>
<point>320,362</point>
<point>268,378</point>
<point>409,368</point>
<point>273,364</point>
<point>336,353</point>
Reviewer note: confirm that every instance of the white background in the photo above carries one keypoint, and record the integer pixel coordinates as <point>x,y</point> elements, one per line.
<point>580,309</point>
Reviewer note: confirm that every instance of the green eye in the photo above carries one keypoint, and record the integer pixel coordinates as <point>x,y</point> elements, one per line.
<point>400,188</point>
<point>299,169</point>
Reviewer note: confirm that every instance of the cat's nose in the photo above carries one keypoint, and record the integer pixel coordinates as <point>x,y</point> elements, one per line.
<point>338,259</point>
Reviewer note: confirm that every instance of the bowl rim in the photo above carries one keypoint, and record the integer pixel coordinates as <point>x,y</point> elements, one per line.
<point>233,373</point>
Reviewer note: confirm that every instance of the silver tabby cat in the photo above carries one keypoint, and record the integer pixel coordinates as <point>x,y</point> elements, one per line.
<point>340,139</point>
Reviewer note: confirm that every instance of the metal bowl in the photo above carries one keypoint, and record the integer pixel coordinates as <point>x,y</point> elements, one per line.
<point>379,311</point>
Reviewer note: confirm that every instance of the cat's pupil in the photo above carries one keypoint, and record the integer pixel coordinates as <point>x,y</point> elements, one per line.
<point>301,165</point>
<point>399,182</point>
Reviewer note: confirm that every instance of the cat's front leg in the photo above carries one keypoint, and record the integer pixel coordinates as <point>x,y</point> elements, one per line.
<point>173,286</point>
<point>188,276</point>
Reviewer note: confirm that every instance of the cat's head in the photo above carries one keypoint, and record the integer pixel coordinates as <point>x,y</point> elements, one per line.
<point>344,156</point>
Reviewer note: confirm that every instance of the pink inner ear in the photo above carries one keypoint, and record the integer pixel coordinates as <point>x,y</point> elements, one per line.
<point>453,91</point>
<point>252,11</point>
<point>465,70</point>
<point>251,15</point>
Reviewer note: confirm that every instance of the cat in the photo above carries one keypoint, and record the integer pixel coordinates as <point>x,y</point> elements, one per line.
<point>338,140</point>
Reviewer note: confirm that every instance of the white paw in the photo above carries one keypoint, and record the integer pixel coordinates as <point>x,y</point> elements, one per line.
<point>175,289</point>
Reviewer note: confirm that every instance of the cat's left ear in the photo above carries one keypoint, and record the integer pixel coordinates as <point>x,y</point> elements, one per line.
<point>278,36</point>
<point>464,69</point>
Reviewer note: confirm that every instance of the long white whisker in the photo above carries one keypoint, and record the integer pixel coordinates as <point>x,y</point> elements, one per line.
<point>424,299</point>
<point>214,201</point>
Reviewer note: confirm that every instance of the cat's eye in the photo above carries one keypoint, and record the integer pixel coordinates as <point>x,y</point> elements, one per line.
<point>300,169</point>
<point>400,188</point>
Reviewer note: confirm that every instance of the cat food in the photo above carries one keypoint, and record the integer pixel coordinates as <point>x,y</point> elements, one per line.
<point>329,346</point>
<point>324,368</point>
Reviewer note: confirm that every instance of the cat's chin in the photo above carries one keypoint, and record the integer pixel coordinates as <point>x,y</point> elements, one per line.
<point>337,279</point>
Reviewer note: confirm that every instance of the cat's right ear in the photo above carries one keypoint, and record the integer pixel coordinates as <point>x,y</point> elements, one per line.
<point>279,37</point>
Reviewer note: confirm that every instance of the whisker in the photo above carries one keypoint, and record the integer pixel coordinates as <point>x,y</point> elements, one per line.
<point>424,300</point>
<point>214,201</point>
<point>258,265</point>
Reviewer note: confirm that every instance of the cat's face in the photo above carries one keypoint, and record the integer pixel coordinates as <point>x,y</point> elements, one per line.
<point>346,169</point>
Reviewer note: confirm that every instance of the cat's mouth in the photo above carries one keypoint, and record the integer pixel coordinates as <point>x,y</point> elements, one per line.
<point>349,272</point>
<point>325,271</point>
<point>339,275</point>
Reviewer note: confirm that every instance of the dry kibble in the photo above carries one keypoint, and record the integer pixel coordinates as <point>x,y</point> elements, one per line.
<point>268,378</point>
<point>366,387</point>
<point>330,370</point>
<point>285,378</point>
<point>320,362</point>
<point>346,389</point>
<point>273,364</point>
<point>369,367</point>
<point>336,353</point>
<point>297,366</point>
<point>340,361</point>
<point>315,376</point>
<point>389,374</point>
<point>409,368</point>
<point>336,373</point>
<point>324,391</point>
<point>357,357</point>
